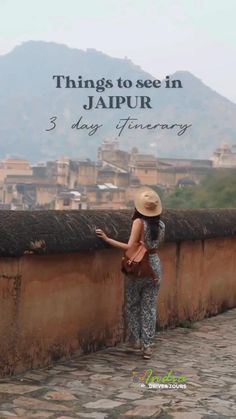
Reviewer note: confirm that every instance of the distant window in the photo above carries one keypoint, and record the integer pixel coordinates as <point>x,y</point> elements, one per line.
<point>66,202</point>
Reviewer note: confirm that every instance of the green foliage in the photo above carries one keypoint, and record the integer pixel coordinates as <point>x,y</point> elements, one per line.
<point>217,190</point>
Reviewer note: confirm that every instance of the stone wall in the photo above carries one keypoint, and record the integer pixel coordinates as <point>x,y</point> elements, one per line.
<point>67,295</point>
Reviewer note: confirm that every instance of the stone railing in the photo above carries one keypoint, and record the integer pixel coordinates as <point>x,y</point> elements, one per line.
<point>62,291</point>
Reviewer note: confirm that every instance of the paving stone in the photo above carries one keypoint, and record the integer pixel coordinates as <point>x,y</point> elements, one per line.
<point>81,391</point>
<point>59,381</point>
<point>20,412</point>
<point>192,384</point>
<point>35,404</point>
<point>65,417</point>
<point>35,375</point>
<point>6,406</point>
<point>38,415</point>
<point>59,395</point>
<point>100,368</point>
<point>73,384</point>
<point>129,395</point>
<point>157,401</point>
<point>52,371</point>
<point>101,385</point>
<point>100,377</point>
<point>17,388</point>
<point>223,410</point>
<point>119,378</point>
<point>81,373</point>
<point>186,415</point>
<point>62,367</point>
<point>93,415</point>
<point>103,404</point>
<point>144,412</point>
<point>98,387</point>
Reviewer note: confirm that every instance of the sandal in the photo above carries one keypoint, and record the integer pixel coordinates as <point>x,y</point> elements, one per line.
<point>134,344</point>
<point>147,352</point>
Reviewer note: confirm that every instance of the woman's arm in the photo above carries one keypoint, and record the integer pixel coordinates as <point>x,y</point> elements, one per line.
<point>134,236</point>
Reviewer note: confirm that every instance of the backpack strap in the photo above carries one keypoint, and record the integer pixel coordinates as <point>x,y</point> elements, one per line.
<point>142,231</point>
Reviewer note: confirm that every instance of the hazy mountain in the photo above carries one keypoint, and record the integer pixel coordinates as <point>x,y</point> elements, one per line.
<point>29,98</point>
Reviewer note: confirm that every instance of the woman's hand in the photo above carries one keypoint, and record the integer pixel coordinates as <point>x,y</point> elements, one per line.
<point>100,233</point>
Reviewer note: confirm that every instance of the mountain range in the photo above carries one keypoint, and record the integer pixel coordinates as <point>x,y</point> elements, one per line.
<point>29,98</point>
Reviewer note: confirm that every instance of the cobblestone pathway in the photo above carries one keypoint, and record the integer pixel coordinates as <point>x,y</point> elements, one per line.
<point>105,384</point>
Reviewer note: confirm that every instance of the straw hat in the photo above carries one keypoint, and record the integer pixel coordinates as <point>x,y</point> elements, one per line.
<point>148,202</point>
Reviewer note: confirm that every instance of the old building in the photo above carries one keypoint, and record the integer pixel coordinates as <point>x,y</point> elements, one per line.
<point>12,167</point>
<point>105,196</point>
<point>71,173</point>
<point>144,167</point>
<point>131,190</point>
<point>109,173</point>
<point>87,172</point>
<point>37,195</point>
<point>58,171</point>
<point>109,152</point>
<point>171,172</point>
<point>109,183</point>
<point>9,193</point>
<point>16,166</point>
<point>27,192</point>
<point>70,200</point>
<point>172,162</point>
<point>224,156</point>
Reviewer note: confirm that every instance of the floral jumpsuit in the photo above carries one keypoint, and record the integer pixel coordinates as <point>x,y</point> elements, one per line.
<point>141,294</point>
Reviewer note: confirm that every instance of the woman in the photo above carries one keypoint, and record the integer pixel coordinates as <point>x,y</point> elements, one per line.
<point>141,293</point>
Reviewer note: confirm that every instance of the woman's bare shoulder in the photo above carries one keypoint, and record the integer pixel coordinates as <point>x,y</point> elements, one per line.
<point>137,221</point>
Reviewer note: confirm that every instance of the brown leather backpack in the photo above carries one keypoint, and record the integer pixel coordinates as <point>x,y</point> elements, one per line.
<point>135,261</point>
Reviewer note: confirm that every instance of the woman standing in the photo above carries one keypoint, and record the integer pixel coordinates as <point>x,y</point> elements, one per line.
<point>141,292</point>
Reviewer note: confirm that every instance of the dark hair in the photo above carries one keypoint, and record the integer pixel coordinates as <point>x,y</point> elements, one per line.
<point>152,221</point>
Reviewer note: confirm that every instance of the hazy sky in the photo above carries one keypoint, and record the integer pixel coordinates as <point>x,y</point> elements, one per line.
<point>162,36</point>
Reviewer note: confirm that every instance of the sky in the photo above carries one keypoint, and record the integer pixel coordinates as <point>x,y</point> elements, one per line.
<point>162,36</point>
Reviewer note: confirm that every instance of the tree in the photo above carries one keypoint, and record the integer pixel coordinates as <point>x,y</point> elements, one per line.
<point>218,190</point>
